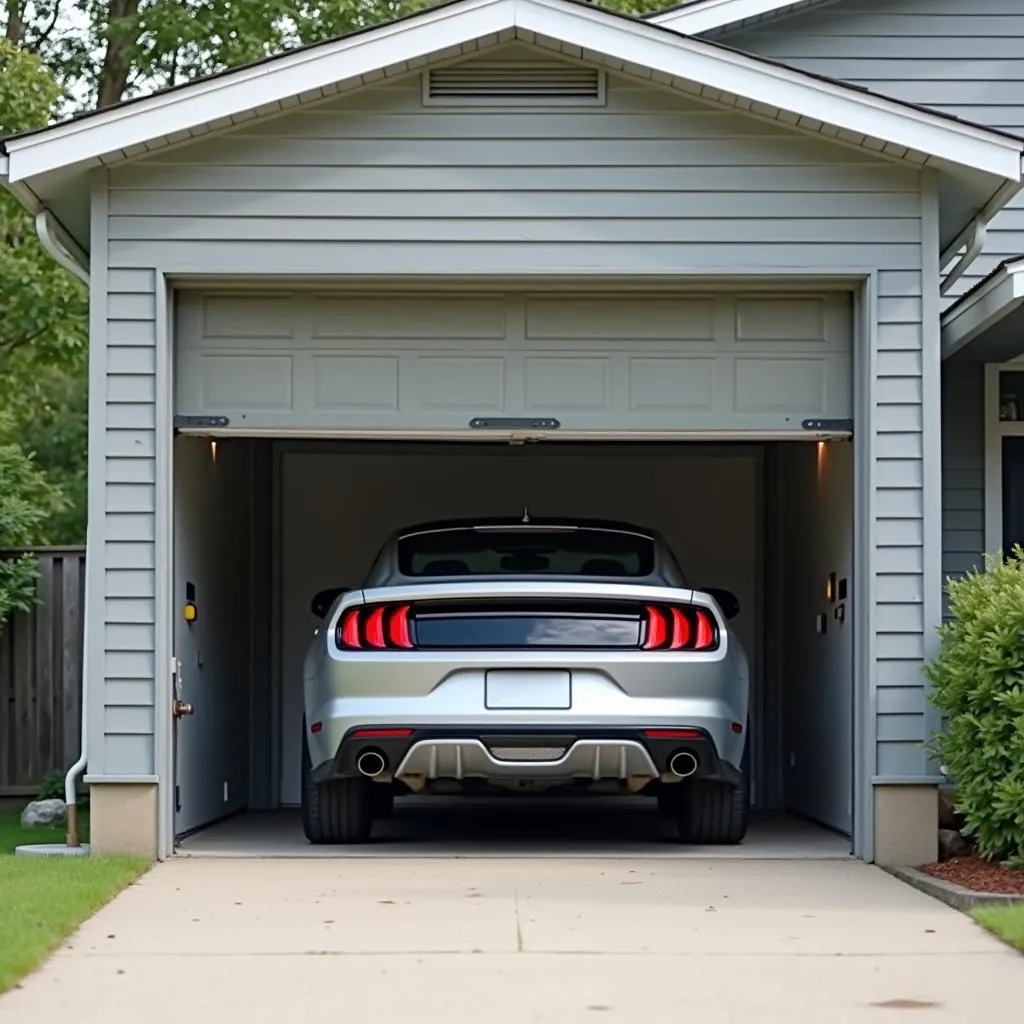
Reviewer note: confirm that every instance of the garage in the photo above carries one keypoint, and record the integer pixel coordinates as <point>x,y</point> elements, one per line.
<point>511,258</point>
<point>719,420</point>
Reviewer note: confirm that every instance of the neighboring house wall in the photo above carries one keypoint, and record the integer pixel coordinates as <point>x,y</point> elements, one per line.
<point>961,58</point>
<point>963,468</point>
<point>965,59</point>
<point>376,184</point>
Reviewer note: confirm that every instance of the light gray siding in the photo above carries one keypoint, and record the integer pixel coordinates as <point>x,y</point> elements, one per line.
<point>376,184</point>
<point>963,468</point>
<point>965,59</point>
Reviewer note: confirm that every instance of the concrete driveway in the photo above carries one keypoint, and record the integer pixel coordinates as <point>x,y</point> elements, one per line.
<point>492,941</point>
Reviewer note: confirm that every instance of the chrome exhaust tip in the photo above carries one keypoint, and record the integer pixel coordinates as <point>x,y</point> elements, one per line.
<point>683,764</point>
<point>371,763</point>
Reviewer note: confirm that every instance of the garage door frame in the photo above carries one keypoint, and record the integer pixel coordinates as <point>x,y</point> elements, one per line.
<point>863,282</point>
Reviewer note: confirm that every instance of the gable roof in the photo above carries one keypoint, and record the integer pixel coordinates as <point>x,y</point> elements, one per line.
<point>670,58</point>
<point>692,17</point>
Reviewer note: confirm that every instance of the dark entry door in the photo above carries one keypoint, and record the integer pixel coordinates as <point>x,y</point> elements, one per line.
<point>1013,493</point>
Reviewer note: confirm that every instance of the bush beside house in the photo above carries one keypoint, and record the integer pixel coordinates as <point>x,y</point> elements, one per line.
<point>978,682</point>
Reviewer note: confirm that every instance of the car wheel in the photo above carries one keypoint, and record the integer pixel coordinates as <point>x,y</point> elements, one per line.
<point>709,811</point>
<point>335,811</point>
<point>382,798</point>
<point>668,799</point>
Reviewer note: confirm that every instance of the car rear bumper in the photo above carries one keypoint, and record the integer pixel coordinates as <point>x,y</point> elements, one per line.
<point>630,754</point>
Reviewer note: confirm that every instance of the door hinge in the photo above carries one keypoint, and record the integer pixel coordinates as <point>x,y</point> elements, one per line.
<point>829,426</point>
<point>201,422</point>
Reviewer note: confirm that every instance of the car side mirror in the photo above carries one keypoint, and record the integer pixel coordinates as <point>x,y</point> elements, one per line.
<point>726,600</point>
<point>323,599</point>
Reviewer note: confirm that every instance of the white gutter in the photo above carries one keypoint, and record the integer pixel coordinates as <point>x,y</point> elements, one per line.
<point>71,779</point>
<point>972,238</point>
<point>53,236</point>
<point>61,246</point>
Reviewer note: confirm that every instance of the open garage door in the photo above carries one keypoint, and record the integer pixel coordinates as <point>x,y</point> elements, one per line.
<point>765,365</point>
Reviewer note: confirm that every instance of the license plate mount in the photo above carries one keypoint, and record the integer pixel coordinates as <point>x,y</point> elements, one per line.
<point>528,690</point>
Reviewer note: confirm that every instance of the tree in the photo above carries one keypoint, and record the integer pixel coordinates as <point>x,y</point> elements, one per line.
<point>27,501</point>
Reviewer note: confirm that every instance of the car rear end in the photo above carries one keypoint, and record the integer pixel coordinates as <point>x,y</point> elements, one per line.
<point>526,684</point>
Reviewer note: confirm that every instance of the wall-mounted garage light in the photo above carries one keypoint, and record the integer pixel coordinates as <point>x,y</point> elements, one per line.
<point>830,588</point>
<point>213,451</point>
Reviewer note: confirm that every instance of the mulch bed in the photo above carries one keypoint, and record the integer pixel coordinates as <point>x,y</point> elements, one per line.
<point>978,875</point>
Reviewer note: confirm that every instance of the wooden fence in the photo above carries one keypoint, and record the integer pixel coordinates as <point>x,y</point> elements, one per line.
<point>41,676</point>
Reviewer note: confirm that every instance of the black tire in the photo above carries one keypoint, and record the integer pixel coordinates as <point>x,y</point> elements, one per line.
<point>382,798</point>
<point>712,812</point>
<point>668,799</point>
<point>336,811</point>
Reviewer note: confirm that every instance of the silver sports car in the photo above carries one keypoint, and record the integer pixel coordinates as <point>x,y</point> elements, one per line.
<point>527,655</point>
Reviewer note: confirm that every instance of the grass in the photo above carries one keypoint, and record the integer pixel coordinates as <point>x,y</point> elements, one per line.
<point>44,899</point>
<point>1006,922</point>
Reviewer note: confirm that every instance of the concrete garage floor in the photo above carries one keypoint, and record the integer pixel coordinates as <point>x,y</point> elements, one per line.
<point>510,941</point>
<point>518,827</point>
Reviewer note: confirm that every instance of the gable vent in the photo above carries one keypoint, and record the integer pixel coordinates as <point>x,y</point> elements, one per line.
<point>497,83</point>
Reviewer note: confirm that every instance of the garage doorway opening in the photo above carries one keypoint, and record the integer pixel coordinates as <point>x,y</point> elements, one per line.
<point>260,525</point>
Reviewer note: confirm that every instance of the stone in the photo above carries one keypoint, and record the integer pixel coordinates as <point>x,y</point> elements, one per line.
<point>952,844</point>
<point>41,813</point>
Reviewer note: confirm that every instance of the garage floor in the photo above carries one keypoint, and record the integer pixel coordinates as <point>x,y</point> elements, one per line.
<point>446,827</point>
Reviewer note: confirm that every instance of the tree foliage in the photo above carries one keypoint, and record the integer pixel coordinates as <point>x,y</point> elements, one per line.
<point>978,681</point>
<point>27,501</point>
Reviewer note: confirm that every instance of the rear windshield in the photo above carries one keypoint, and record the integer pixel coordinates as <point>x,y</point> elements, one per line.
<point>531,551</point>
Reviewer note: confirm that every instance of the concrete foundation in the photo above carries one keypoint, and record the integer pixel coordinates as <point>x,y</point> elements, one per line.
<point>123,818</point>
<point>906,825</point>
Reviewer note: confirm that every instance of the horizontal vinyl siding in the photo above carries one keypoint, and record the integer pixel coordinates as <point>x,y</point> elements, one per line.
<point>129,633</point>
<point>375,184</point>
<point>965,59</point>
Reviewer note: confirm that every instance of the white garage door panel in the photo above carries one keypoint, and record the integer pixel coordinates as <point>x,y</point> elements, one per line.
<point>407,363</point>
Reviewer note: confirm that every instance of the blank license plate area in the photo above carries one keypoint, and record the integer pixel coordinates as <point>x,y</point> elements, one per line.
<point>528,690</point>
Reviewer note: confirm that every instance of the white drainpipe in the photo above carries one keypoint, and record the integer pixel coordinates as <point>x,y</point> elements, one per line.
<point>59,244</point>
<point>973,237</point>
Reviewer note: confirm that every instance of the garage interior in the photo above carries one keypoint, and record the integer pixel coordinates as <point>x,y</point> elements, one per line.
<point>261,524</point>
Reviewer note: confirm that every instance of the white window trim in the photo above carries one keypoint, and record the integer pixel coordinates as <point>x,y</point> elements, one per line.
<point>995,430</point>
<point>448,29</point>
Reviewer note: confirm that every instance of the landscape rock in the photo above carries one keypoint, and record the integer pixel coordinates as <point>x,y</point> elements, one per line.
<point>949,817</point>
<point>952,844</point>
<point>41,813</point>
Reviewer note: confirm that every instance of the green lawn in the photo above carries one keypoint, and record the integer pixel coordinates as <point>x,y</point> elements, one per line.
<point>1006,922</point>
<point>45,899</point>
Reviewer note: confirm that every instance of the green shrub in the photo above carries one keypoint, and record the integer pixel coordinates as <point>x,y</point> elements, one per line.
<point>978,680</point>
<point>52,786</point>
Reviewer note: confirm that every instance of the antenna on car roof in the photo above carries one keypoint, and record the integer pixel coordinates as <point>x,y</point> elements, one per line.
<point>526,514</point>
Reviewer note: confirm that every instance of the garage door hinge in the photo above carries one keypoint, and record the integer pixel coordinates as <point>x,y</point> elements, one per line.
<point>199,422</point>
<point>513,423</point>
<point>829,426</point>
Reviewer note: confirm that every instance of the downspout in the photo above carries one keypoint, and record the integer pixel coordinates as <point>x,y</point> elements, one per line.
<point>973,236</point>
<point>59,244</point>
<point>57,241</point>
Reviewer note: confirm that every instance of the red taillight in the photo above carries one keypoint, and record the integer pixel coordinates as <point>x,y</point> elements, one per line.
<point>381,734</point>
<point>705,632</point>
<point>378,628</point>
<point>375,628</point>
<point>349,631</point>
<point>398,628</point>
<point>679,628</point>
<point>657,630</point>
<point>673,734</point>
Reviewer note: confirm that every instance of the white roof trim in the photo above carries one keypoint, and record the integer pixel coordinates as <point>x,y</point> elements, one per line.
<point>447,28</point>
<point>708,15</point>
<point>996,297</point>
